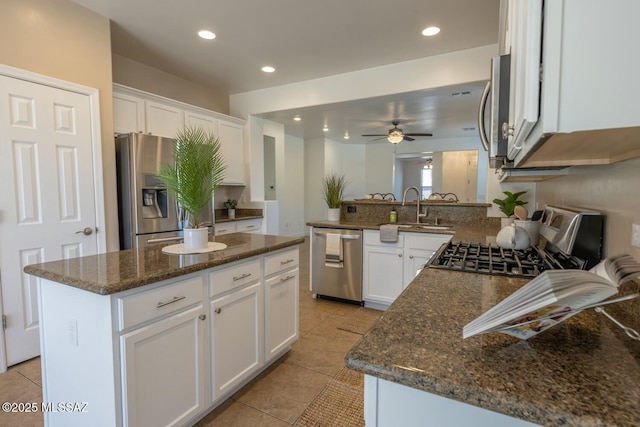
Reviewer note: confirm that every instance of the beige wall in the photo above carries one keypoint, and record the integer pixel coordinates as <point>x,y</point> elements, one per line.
<point>140,76</point>
<point>60,39</point>
<point>612,189</point>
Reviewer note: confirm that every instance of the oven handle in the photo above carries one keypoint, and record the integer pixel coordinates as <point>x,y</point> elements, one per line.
<point>342,236</point>
<point>481,112</point>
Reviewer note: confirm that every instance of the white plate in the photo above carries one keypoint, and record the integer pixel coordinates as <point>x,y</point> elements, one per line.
<point>179,249</point>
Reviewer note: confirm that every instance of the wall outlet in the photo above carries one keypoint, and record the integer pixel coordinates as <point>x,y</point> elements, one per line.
<point>351,209</point>
<point>635,235</point>
<point>72,330</point>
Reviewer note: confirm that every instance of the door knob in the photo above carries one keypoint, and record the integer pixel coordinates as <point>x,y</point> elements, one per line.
<point>88,231</point>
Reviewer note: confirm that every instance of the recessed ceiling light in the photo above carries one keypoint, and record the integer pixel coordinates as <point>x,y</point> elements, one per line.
<point>268,69</point>
<point>206,34</point>
<point>325,128</point>
<point>430,31</point>
<point>297,118</point>
<point>346,135</point>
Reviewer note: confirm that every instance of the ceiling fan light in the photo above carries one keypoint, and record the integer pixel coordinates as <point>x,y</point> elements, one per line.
<point>395,138</point>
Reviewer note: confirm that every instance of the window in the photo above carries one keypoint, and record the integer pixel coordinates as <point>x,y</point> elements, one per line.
<point>427,181</point>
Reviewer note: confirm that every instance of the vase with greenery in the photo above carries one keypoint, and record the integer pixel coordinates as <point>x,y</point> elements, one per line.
<point>333,186</point>
<point>198,170</point>
<point>509,203</point>
<point>231,204</point>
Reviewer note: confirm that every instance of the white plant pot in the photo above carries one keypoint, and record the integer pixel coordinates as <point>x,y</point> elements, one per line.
<point>232,213</point>
<point>505,222</point>
<point>196,238</point>
<point>333,214</point>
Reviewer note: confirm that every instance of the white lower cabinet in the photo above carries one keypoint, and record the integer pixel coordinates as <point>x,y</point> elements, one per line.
<point>236,337</point>
<point>166,353</point>
<point>389,404</point>
<point>164,371</point>
<point>388,268</point>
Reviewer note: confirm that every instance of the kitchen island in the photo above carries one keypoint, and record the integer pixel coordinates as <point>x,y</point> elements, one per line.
<point>139,337</point>
<point>419,371</point>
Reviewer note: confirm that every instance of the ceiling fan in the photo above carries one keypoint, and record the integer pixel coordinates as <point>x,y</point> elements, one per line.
<point>396,135</point>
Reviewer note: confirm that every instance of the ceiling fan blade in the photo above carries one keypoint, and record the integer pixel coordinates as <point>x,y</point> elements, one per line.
<point>408,138</point>
<point>419,134</point>
<point>374,135</point>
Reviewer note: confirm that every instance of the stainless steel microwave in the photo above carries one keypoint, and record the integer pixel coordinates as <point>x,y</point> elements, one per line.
<point>494,110</point>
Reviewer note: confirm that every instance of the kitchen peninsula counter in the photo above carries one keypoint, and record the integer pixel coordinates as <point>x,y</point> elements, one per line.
<point>582,372</point>
<point>113,272</point>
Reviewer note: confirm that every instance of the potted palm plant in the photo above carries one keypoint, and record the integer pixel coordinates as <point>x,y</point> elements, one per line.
<point>197,172</point>
<point>333,186</point>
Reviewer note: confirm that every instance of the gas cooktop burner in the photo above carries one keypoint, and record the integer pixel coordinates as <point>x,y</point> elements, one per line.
<point>489,259</point>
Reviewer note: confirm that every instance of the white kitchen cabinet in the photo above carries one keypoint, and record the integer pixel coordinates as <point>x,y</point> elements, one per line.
<point>128,113</point>
<point>281,309</point>
<point>389,404</point>
<point>388,268</point>
<point>236,337</point>
<point>164,370</point>
<point>225,228</point>
<point>205,121</point>
<point>573,90</point>
<point>163,120</point>
<point>165,353</point>
<point>249,225</point>
<point>231,136</point>
<point>138,111</point>
<point>164,358</point>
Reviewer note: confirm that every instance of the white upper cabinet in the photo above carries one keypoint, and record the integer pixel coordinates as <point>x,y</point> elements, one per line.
<point>128,113</point>
<point>163,120</point>
<point>232,140</point>
<point>574,84</point>
<point>137,111</point>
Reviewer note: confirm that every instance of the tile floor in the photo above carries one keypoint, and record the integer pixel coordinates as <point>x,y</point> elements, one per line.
<point>277,397</point>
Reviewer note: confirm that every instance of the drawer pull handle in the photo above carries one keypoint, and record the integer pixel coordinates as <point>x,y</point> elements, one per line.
<point>175,299</point>
<point>244,276</point>
<point>202,317</point>
<point>218,310</point>
<point>250,226</point>
<point>284,279</point>
<point>286,262</point>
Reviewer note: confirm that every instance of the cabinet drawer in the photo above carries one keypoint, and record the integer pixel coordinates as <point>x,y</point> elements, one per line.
<point>373,238</point>
<point>249,226</point>
<point>225,228</point>
<point>281,261</point>
<point>235,276</point>
<point>148,305</point>
<point>425,241</point>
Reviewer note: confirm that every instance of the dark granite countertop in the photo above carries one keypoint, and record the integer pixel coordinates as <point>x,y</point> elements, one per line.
<point>582,372</point>
<point>475,233</point>
<point>224,218</point>
<point>113,272</point>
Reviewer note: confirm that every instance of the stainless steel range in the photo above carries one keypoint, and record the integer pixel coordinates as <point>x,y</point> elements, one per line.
<point>569,239</point>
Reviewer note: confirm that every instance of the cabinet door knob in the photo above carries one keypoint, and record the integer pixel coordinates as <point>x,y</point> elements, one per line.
<point>218,310</point>
<point>410,256</point>
<point>202,317</point>
<point>399,255</point>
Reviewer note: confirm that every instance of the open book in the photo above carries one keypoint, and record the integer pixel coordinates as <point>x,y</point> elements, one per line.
<point>554,296</point>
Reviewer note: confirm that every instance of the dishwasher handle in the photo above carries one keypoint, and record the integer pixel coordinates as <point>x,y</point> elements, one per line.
<point>342,236</point>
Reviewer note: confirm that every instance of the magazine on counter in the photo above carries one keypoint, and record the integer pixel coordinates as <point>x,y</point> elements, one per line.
<point>554,296</point>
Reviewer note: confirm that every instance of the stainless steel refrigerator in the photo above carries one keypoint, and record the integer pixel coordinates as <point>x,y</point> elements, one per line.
<point>147,214</point>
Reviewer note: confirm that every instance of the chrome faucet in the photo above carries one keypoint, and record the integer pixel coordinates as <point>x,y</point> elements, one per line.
<point>404,198</point>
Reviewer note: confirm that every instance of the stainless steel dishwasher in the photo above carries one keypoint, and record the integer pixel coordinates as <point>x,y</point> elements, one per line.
<point>336,264</point>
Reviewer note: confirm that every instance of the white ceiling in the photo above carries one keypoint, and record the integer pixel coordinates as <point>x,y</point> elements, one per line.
<point>306,39</point>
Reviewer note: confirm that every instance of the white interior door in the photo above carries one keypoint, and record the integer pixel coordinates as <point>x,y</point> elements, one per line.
<point>48,197</point>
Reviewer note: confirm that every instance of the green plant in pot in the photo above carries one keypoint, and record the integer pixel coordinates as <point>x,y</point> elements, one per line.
<point>198,170</point>
<point>509,203</point>
<point>231,204</point>
<point>333,186</point>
